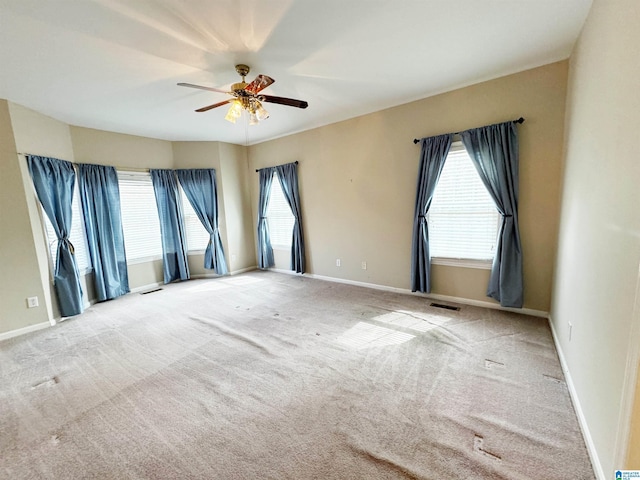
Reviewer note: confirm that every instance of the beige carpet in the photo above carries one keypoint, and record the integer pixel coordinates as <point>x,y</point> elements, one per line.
<point>271,376</point>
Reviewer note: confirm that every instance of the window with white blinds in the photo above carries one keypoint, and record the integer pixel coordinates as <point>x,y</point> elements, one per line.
<point>197,235</point>
<point>463,220</point>
<point>279,216</point>
<point>77,236</point>
<point>140,222</point>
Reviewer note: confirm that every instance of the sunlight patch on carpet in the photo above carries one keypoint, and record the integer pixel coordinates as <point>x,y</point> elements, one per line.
<point>208,287</point>
<point>411,321</point>
<point>366,335</point>
<point>239,280</point>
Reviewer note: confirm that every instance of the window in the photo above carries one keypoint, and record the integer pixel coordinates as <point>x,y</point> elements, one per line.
<point>463,220</point>
<point>77,236</point>
<point>279,216</point>
<point>197,235</point>
<point>140,222</point>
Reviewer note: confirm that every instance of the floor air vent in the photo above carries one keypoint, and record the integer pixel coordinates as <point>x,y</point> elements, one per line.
<point>447,307</point>
<point>150,291</point>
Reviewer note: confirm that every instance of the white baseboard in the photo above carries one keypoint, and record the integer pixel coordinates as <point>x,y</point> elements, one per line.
<point>144,288</point>
<point>432,296</point>
<point>199,276</point>
<point>582,421</point>
<point>290,272</point>
<point>215,275</point>
<point>150,286</point>
<point>243,270</point>
<point>623,440</point>
<point>22,331</point>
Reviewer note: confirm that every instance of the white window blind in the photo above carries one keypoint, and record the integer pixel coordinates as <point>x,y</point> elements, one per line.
<point>463,220</point>
<point>197,235</point>
<point>77,236</point>
<point>279,216</point>
<point>140,222</point>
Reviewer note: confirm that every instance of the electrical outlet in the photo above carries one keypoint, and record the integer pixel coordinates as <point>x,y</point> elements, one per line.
<point>337,262</point>
<point>32,302</point>
<point>570,330</point>
<point>233,257</point>
<point>364,265</point>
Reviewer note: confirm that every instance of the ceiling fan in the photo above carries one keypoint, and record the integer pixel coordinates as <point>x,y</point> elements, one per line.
<point>247,97</point>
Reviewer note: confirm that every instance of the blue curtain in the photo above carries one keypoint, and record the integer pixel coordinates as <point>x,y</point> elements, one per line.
<point>265,252</point>
<point>433,153</point>
<point>288,175</point>
<point>494,151</point>
<point>199,186</point>
<point>174,240</point>
<point>54,181</point>
<point>103,223</point>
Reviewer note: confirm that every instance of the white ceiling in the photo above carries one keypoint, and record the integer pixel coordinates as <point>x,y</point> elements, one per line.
<point>114,64</point>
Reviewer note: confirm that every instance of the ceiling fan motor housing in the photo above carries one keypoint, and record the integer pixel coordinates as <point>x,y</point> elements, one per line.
<point>238,87</point>
<point>243,70</point>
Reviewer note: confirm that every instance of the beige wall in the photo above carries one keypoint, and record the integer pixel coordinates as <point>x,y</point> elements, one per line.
<point>41,135</point>
<point>27,131</point>
<point>120,150</point>
<point>346,180</point>
<point>202,155</point>
<point>20,276</point>
<point>633,450</point>
<point>234,172</point>
<point>599,240</point>
<point>358,181</point>
<point>196,154</point>
<point>230,163</point>
<point>128,151</point>
<point>125,151</point>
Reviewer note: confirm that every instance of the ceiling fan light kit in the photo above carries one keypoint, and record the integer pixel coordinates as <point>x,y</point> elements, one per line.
<point>246,98</point>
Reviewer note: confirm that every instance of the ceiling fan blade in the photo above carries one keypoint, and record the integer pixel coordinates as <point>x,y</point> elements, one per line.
<point>210,89</point>
<point>291,102</point>
<point>260,83</point>
<point>210,107</point>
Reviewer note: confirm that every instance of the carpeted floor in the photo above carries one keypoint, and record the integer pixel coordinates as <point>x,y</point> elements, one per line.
<point>271,376</point>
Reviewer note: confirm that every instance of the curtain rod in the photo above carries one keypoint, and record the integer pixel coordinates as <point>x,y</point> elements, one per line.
<point>258,169</point>
<point>519,120</point>
<point>131,169</point>
<point>122,169</point>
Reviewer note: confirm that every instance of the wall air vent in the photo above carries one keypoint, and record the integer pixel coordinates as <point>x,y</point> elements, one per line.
<point>447,307</point>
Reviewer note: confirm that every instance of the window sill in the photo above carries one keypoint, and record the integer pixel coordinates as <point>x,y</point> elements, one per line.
<point>135,261</point>
<point>462,262</point>
<point>281,247</point>
<point>159,257</point>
